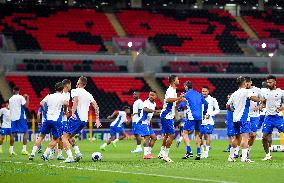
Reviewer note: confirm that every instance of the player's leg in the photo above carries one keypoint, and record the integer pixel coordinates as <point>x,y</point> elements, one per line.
<point>153,140</point>
<point>49,148</point>
<point>146,147</point>
<point>36,145</point>
<point>198,142</point>
<point>266,137</point>
<point>229,144</point>
<point>60,150</point>
<point>122,135</point>
<point>180,137</point>
<point>12,141</point>
<point>186,140</point>
<point>149,141</point>
<point>244,145</point>
<point>66,145</point>
<point>137,136</point>
<point>169,129</point>
<point>252,135</point>
<point>163,147</point>
<point>25,141</point>
<point>198,139</point>
<point>207,147</point>
<point>234,129</point>
<point>1,142</point>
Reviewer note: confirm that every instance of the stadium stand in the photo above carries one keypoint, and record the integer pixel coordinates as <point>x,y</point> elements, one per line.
<point>69,65</point>
<point>213,67</point>
<point>111,93</point>
<point>203,31</point>
<point>267,24</point>
<point>42,28</point>
<point>224,2</point>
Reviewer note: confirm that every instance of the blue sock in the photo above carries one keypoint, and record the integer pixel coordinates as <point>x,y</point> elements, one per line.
<point>198,151</point>
<point>188,149</point>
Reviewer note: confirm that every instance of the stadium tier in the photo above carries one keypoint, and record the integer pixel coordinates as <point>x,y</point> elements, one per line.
<point>111,93</point>
<point>70,65</point>
<point>67,29</point>
<point>213,67</point>
<point>187,31</point>
<point>267,24</point>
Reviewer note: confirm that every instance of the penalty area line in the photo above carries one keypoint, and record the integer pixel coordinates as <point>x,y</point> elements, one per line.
<point>124,172</point>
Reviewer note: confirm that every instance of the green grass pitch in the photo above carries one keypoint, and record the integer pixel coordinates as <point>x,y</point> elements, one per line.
<point>120,166</point>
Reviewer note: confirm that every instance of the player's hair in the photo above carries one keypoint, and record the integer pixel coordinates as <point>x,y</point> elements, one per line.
<point>16,89</point>
<point>136,91</point>
<point>241,80</point>
<point>83,80</point>
<point>271,77</point>
<point>172,78</point>
<point>153,91</point>
<point>66,82</point>
<point>264,84</point>
<point>125,107</point>
<point>206,87</point>
<point>247,78</point>
<point>58,87</point>
<point>188,84</point>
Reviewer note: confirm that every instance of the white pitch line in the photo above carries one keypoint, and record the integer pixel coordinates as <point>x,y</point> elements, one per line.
<point>123,172</point>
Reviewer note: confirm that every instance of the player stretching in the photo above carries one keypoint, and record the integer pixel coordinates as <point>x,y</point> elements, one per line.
<point>195,115</point>
<point>6,124</point>
<point>81,103</point>
<point>273,102</point>
<point>143,124</point>
<point>17,105</point>
<point>66,88</point>
<point>167,116</point>
<point>254,109</point>
<point>208,123</point>
<point>117,127</point>
<point>53,124</point>
<point>240,100</point>
<point>137,108</point>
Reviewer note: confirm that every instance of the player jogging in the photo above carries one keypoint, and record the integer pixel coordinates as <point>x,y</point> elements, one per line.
<point>117,126</point>
<point>17,105</point>
<point>207,125</point>
<point>137,108</point>
<point>143,124</point>
<point>273,104</point>
<point>167,116</point>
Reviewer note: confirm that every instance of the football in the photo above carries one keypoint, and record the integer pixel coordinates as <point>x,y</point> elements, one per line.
<point>97,156</point>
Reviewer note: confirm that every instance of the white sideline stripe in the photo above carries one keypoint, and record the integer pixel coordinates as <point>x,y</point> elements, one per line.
<point>122,172</point>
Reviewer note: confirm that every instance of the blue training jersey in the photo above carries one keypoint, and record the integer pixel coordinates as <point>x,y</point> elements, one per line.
<point>195,100</point>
